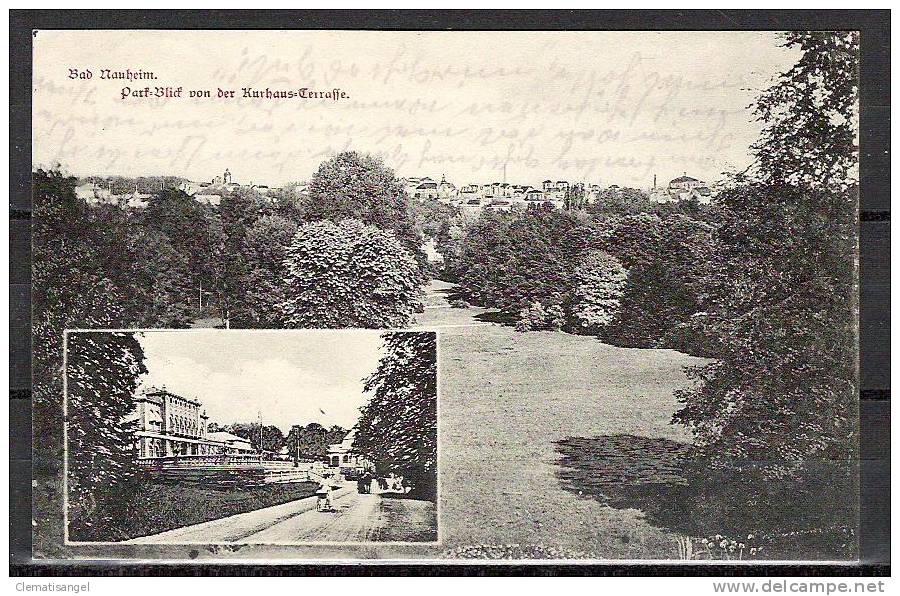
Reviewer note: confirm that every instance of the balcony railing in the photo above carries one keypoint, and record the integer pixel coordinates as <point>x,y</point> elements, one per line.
<point>218,459</point>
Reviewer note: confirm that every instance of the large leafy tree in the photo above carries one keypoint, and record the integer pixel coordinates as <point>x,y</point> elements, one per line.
<point>782,394</point>
<point>347,274</point>
<point>359,186</point>
<point>82,277</point>
<point>195,232</point>
<point>397,428</point>
<point>102,372</point>
<point>599,283</point>
<point>261,285</point>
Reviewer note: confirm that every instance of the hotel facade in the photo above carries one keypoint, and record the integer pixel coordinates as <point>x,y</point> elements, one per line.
<point>169,425</point>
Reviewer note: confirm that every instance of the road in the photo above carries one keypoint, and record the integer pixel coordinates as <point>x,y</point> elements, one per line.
<point>356,518</point>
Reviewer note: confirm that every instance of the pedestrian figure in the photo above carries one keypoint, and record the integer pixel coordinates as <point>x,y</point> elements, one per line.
<point>323,494</point>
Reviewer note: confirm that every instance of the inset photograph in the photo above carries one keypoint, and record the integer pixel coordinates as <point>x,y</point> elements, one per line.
<point>251,437</point>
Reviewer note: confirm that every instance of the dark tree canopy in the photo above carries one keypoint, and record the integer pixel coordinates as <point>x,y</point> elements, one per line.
<point>397,428</point>
<point>272,437</point>
<point>783,287</point>
<point>102,371</point>
<point>312,441</point>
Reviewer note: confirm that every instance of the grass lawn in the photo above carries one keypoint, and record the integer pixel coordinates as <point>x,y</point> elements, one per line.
<point>159,506</point>
<point>513,405</point>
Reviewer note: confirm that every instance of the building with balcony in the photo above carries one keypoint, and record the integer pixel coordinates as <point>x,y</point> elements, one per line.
<point>169,425</point>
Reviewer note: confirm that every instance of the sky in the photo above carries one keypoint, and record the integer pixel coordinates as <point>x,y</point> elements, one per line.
<point>290,377</point>
<point>599,107</point>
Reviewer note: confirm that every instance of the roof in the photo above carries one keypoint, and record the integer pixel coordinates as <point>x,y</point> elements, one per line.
<point>427,185</point>
<point>152,395</point>
<point>683,179</point>
<point>226,437</point>
<point>346,443</point>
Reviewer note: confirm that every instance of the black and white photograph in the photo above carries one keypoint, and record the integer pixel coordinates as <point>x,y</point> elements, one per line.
<point>628,260</point>
<point>251,438</point>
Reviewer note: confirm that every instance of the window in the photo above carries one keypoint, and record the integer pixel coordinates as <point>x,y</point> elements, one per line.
<point>346,459</point>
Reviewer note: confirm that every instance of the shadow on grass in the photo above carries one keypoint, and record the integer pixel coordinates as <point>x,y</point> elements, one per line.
<point>628,472</point>
<point>657,477</point>
<point>496,316</point>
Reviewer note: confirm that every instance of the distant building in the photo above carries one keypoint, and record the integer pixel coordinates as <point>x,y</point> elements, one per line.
<point>683,188</point>
<point>534,195</point>
<point>135,200</point>
<point>208,199</point>
<point>231,443</point>
<point>191,188</point>
<point>685,182</point>
<point>469,192</point>
<point>426,190</point>
<point>446,191</point>
<point>341,455</point>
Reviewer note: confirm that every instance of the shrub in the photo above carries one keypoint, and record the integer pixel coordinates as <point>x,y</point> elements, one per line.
<point>537,317</point>
<point>348,274</point>
<point>598,288</point>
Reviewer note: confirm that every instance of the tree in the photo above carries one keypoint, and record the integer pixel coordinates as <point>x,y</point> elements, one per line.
<point>347,274</point>
<point>312,441</point>
<point>575,197</point>
<point>782,395</point>
<point>162,286</point>
<point>510,261</point>
<point>194,232</point>
<point>430,216</point>
<point>102,370</point>
<point>359,186</point>
<point>238,211</point>
<point>262,287</point>
<point>397,428</point>
<point>599,283</point>
<point>667,258</point>
<point>82,277</point>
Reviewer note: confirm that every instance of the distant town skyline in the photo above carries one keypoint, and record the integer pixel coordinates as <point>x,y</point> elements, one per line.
<point>605,107</point>
<point>290,377</point>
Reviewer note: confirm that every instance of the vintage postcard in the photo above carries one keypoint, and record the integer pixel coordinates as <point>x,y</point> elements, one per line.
<point>445,296</point>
